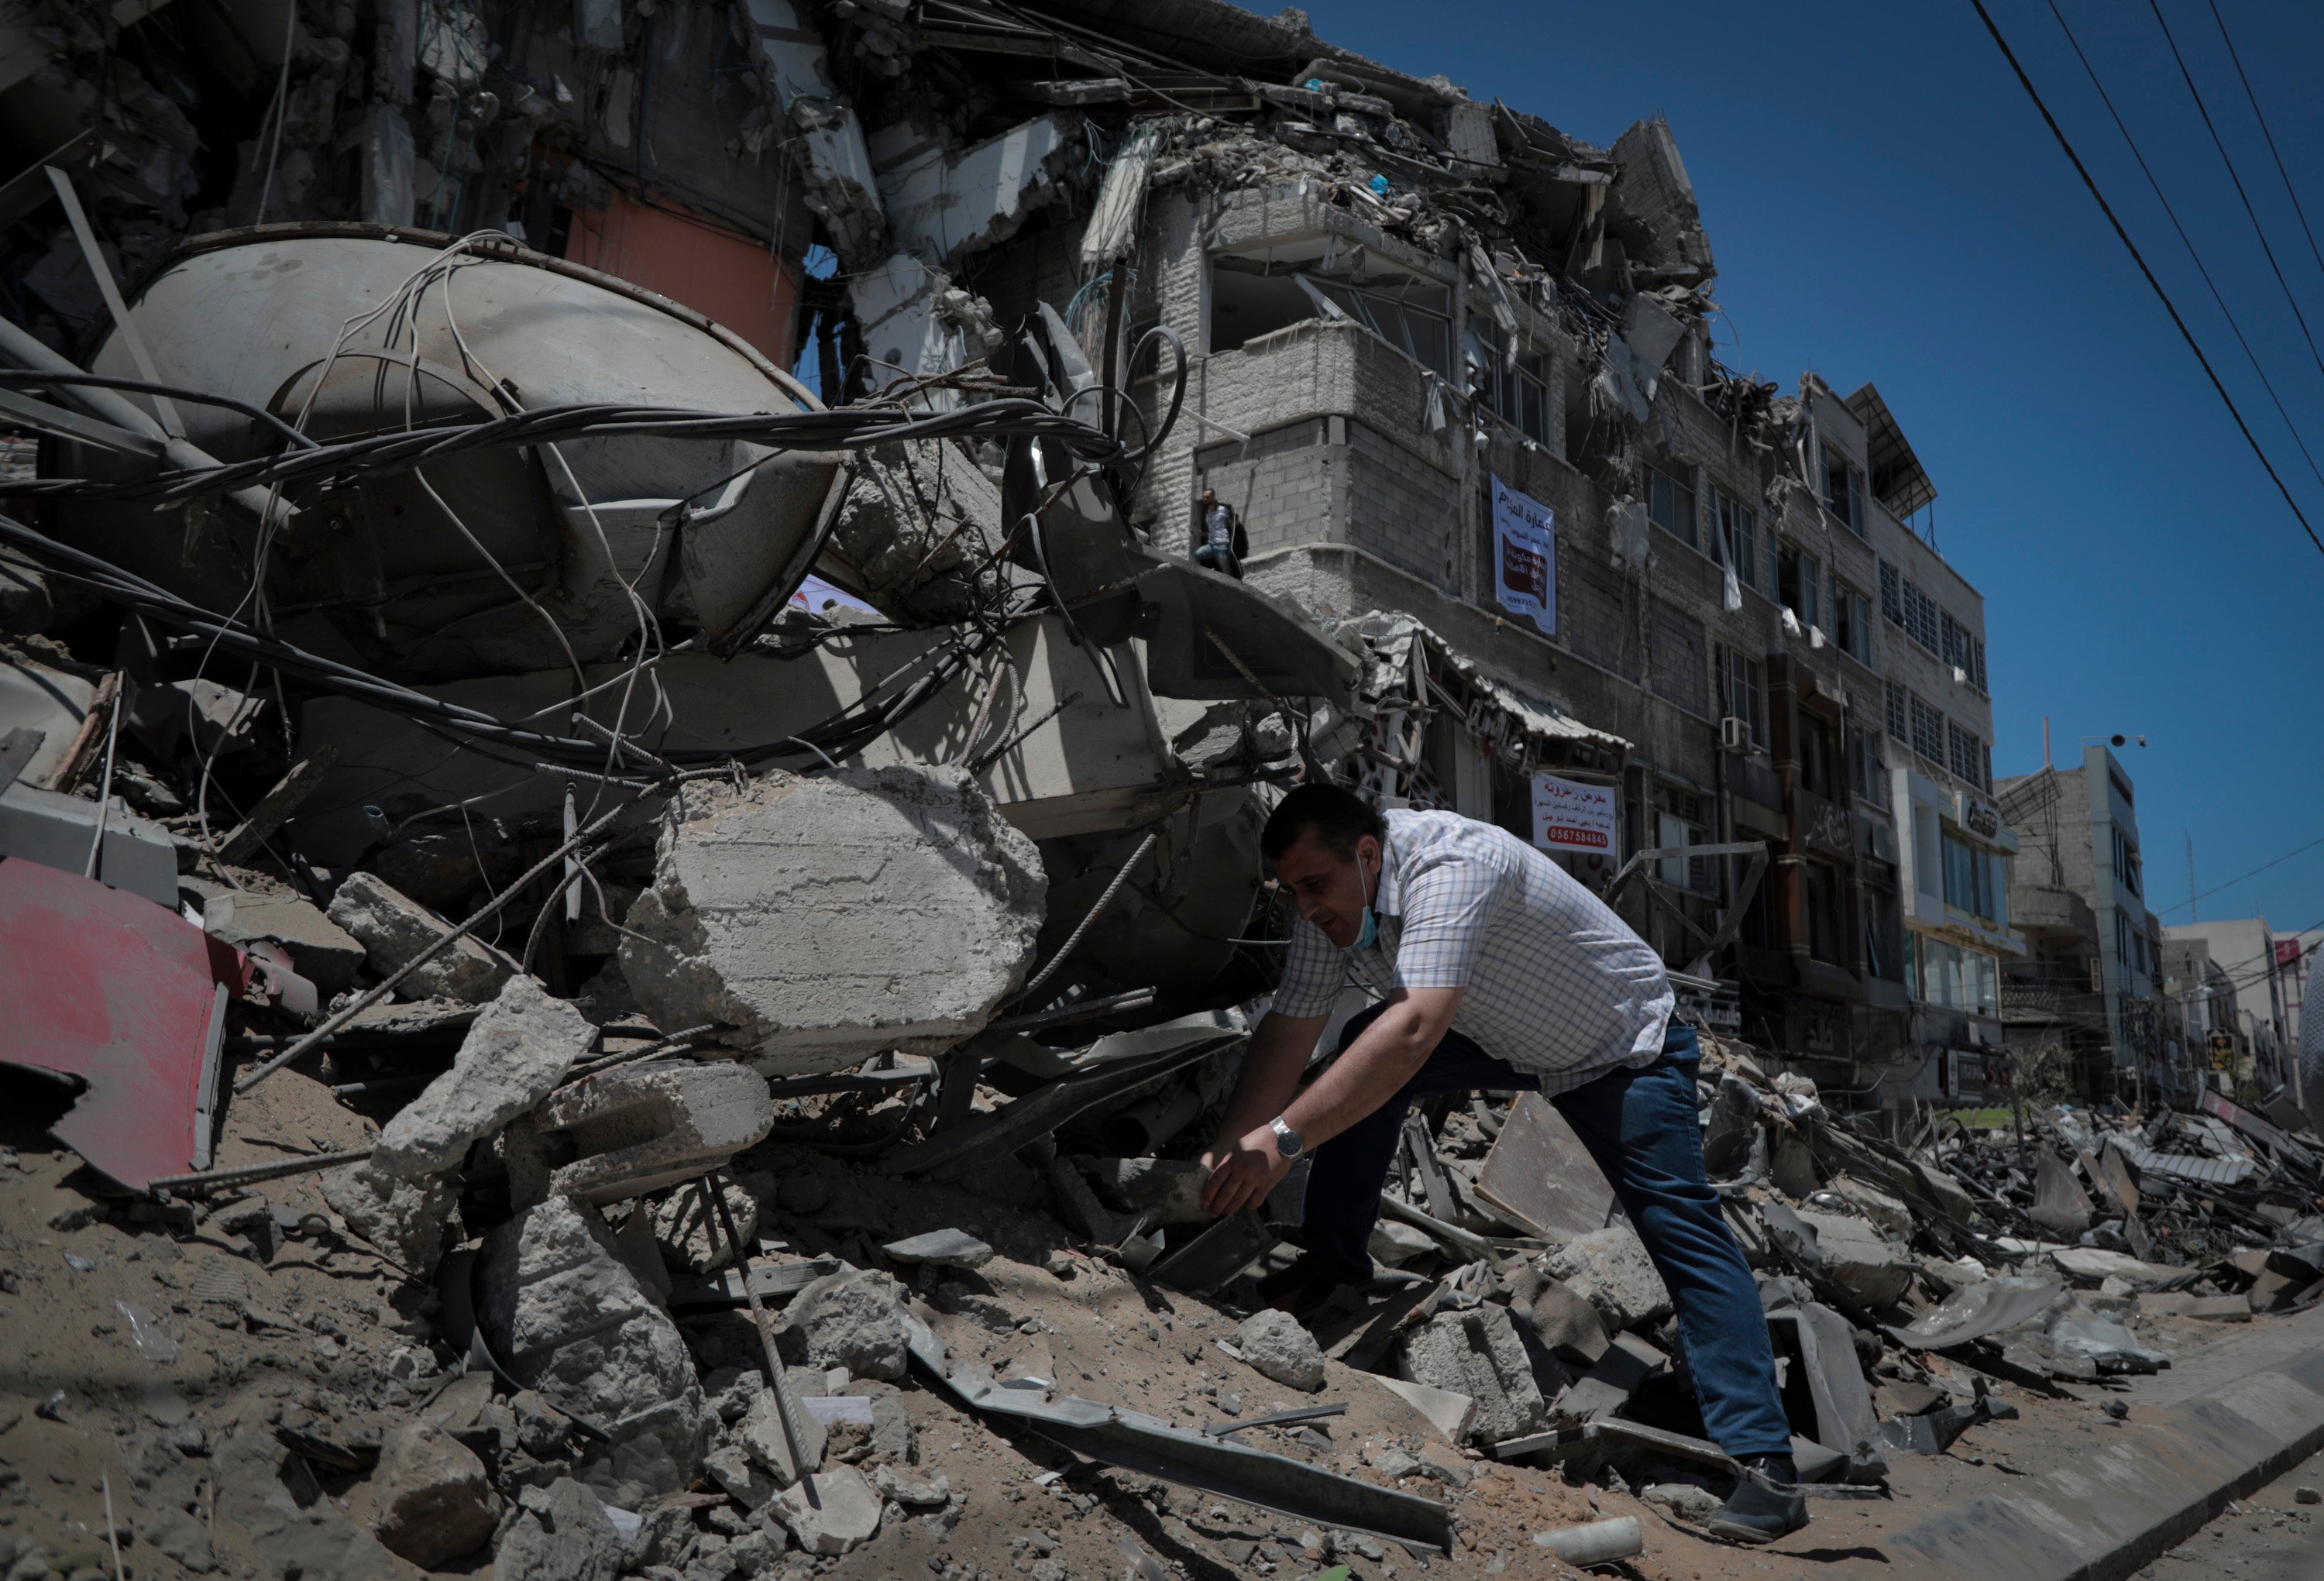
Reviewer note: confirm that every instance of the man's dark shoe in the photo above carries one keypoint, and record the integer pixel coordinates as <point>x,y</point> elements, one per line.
<point>1766,1506</point>
<point>1300,1289</point>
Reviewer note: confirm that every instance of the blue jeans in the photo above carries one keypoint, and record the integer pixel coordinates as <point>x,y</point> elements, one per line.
<point>1217,559</point>
<point>1639,1125</point>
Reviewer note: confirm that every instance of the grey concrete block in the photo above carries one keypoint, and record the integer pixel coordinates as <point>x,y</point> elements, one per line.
<point>393,928</point>
<point>1610,1269</point>
<point>827,919</point>
<point>567,1317</point>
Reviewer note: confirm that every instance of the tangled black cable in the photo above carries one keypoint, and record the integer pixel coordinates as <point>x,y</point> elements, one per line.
<point>402,449</point>
<point>849,730</point>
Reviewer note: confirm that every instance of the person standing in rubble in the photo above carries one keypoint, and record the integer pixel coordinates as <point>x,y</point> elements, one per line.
<point>1223,543</point>
<point>1496,970</point>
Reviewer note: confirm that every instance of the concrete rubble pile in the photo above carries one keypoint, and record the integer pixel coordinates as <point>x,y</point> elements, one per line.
<point>670,940</point>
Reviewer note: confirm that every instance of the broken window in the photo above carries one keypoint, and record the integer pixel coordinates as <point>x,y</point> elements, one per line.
<point>1864,762</point>
<point>1820,757</point>
<point>1411,314</point>
<point>1738,527</point>
<point>1843,490</point>
<point>1742,692</point>
<point>1891,593</point>
<point>1515,389</point>
<point>2125,860</point>
<point>1670,505</point>
<point>1977,669</point>
<point>1820,889</point>
<point>1797,580</point>
<point>1898,725</point>
<point>1928,732</point>
<point>1679,822</point>
<point>1254,297</point>
<point>1851,612</point>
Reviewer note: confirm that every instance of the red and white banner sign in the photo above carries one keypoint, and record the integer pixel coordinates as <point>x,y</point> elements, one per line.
<point>1524,557</point>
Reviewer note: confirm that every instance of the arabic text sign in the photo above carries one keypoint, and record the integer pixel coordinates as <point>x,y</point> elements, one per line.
<point>1524,557</point>
<point>1567,816</point>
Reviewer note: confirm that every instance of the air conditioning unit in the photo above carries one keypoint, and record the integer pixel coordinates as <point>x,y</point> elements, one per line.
<point>1735,734</point>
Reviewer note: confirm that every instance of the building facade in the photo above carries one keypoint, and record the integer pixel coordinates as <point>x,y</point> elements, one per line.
<point>1716,578</point>
<point>2087,999</point>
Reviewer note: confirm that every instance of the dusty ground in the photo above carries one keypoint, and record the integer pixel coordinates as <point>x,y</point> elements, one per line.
<point>333,1326</point>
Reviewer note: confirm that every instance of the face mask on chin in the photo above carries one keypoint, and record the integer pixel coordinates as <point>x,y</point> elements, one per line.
<point>1368,935</point>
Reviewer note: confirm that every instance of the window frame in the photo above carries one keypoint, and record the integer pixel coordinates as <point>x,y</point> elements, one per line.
<point>1850,512</point>
<point>1690,530</point>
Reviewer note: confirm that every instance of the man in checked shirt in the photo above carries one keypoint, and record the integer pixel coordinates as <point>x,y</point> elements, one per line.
<point>1496,970</point>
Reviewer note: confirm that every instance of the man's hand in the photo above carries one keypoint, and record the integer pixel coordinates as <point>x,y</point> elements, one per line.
<point>1242,1172</point>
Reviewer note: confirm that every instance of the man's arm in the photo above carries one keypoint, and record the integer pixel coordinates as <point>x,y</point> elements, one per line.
<point>1278,1053</point>
<point>1245,1163</point>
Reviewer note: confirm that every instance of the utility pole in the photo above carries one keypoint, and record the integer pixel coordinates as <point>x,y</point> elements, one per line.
<point>2193,916</point>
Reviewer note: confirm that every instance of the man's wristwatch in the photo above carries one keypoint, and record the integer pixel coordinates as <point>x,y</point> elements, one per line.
<point>1287,1140</point>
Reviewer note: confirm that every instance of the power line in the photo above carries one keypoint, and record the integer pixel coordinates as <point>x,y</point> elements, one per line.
<point>2261,116</point>
<point>2239,877</point>
<point>2138,258</point>
<point>2252,213</point>
<point>2107,100</point>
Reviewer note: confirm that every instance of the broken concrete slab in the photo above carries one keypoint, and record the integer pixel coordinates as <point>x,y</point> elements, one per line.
<point>851,1319</point>
<point>2060,1206</point>
<point>1277,1346</point>
<point>824,134</point>
<point>1450,1414</point>
<point>1565,1323</point>
<point>562,1534</point>
<point>761,1436</point>
<point>940,204</point>
<point>567,1317</point>
<point>945,1248</point>
<point>1610,1269</point>
<point>831,1512</point>
<point>1629,1362</point>
<point>392,928</point>
<point>1538,1170</point>
<point>1478,1353</point>
<point>627,1132</point>
<point>431,1499</point>
<point>294,1528</point>
<point>1883,1209</point>
<point>404,1218</point>
<point>1854,1256</point>
<point>321,951</point>
<point>2091,1264</point>
<point>689,1234</point>
<point>822,920</point>
<point>515,1054</point>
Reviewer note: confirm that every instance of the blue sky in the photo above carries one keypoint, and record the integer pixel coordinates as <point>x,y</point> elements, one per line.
<point>1886,203</point>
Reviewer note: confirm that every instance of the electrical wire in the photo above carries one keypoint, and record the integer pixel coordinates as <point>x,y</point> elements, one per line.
<point>343,461</point>
<point>2066,145</point>
<point>2235,177</point>
<point>281,105</point>
<point>31,377</point>
<point>2239,877</point>
<point>2261,116</point>
<point>2225,311</point>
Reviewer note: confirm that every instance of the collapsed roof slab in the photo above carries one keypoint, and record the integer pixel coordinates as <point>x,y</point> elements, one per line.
<point>939,205</point>
<point>829,141</point>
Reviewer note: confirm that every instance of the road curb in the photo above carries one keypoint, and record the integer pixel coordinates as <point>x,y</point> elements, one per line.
<point>2232,1418</point>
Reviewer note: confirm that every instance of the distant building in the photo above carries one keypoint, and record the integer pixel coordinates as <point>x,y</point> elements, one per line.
<point>2089,992</point>
<point>2259,976</point>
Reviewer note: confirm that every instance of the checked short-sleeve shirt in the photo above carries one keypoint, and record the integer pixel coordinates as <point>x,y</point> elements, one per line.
<point>1554,983</point>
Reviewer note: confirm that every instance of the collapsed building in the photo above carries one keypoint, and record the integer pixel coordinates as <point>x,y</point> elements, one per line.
<point>627,570</point>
